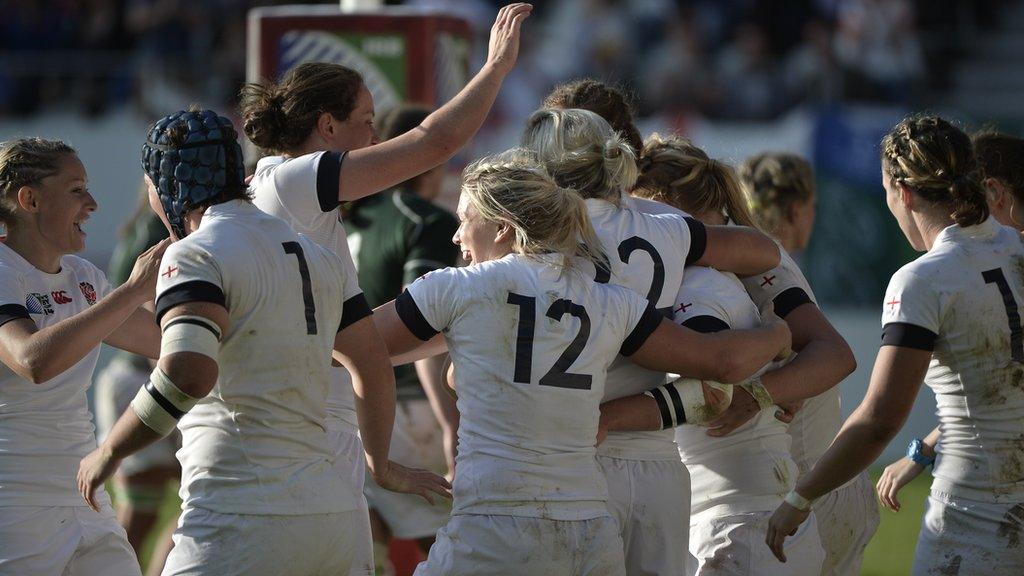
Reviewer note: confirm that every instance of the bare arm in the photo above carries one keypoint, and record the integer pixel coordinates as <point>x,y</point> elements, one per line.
<point>360,349</point>
<point>823,360</point>
<point>431,375</point>
<point>895,381</point>
<point>192,373</point>
<point>729,356</point>
<point>138,334</point>
<point>372,169</point>
<point>738,249</point>
<point>402,345</point>
<point>39,355</point>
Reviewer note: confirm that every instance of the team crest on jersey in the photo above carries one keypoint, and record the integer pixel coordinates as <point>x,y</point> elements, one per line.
<point>88,291</point>
<point>38,304</point>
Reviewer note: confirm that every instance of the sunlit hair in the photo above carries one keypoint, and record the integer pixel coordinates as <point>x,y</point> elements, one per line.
<point>774,182</point>
<point>606,101</point>
<point>581,151</point>
<point>26,162</point>
<point>674,171</point>
<point>279,117</point>
<point>936,160</point>
<point>513,188</point>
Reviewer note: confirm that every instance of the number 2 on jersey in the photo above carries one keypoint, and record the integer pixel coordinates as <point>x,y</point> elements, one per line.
<point>557,376</point>
<point>307,289</point>
<point>626,249</point>
<point>996,276</point>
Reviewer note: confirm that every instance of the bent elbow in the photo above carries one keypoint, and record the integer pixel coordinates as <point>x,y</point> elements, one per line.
<point>35,369</point>
<point>732,371</point>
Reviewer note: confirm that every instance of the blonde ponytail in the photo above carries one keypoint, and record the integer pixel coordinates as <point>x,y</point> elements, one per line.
<point>581,151</point>
<point>512,188</point>
<point>674,171</point>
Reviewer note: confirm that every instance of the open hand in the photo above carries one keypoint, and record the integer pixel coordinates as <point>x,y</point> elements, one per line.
<point>95,469</point>
<point>783,523</point>
<point>503,48</point>
<point>894,478</point>
<point>398,478</point>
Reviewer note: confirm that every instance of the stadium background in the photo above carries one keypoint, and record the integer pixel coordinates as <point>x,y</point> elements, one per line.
<point>823,78</point>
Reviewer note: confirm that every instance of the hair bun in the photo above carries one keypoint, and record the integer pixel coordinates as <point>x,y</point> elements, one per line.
<point>264,120</point>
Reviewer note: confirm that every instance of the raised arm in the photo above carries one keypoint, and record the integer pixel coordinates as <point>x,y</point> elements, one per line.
<point>186,372</point>
<point>738,249</point>
<point>372,169</point>
<point>39,355</point>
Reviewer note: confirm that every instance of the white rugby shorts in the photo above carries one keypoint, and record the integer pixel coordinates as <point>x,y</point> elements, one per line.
<point>847,520</point>
<point>650,500</point>
<point>734,545</point>
<point>968,538</point>
<point>477,544</point>
<point>66,540</point>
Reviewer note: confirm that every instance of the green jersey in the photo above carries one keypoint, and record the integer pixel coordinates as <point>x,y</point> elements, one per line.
<point>143,233</point>
<point>395,237</point>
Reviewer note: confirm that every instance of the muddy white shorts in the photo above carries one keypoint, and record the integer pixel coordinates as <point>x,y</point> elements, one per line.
<point>970,538</point>
<point>847,520</point>
<point>650,500</point>
<point>479,545</point>
<point>417,441</point>
<point>65,540</point>
<point>254,545</point>
<point>734,546</point>
<point>351,464</point>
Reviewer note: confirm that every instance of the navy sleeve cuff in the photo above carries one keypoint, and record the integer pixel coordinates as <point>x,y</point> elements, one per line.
<point>353,310</point>
<point>789,300</point>
<point>908,336</point>
<point>328,178</point>
<point>698,240</point>
<point>642,331</point>
<point>10,312</point>
<point>705,324</point>
<point>410,314</point>
<point>192,291</point>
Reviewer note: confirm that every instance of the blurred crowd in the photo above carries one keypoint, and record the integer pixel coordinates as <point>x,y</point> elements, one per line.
<point>742,59</point>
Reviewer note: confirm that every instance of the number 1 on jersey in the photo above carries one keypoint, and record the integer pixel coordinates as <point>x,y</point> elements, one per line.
<point>996,276</point>
<point>307,289</point>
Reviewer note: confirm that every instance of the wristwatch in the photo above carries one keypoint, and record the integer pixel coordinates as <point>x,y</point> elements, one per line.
<point>917,456</point>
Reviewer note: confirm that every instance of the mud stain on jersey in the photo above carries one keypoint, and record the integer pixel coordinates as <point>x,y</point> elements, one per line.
<point>952,568</point>
<point>1011,526</point>
<point>1011,462</point>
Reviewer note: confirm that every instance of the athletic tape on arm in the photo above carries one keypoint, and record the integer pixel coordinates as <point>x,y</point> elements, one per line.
<point>191,334</point>
<point>683,401</point>
<point>160,404</point>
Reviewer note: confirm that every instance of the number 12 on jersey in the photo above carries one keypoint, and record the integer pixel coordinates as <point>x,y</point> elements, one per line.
<point>557,376</point>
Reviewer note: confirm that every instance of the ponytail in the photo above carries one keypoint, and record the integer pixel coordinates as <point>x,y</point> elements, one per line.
<point>675,172</point>
<point>280,117</point>
<point>513,189</point>
<point>581,151</point>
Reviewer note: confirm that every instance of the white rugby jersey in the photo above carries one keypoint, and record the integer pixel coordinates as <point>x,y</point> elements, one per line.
<point>257,444</point>
<point>531,349</point>
<point>647,253</point>
<point>961,300</point>
<point>783,289</point>
<point>751,469</point>
<point>46,429</point>
<point>303,192</point>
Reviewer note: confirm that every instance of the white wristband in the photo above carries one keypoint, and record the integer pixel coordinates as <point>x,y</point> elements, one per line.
<point>761,394</point>
<point>797,501</point>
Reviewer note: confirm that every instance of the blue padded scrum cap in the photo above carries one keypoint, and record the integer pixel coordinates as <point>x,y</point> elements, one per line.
<point>192,157</point>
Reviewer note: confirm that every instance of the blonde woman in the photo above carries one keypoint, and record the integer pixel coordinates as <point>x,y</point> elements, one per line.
<point>531,336</point>
<point>780,189</point>
<point>951,319</point>
<point>55,311</point>
<point>648,484</point>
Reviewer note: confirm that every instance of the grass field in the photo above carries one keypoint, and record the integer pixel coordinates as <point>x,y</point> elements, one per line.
<point>890,553</point>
